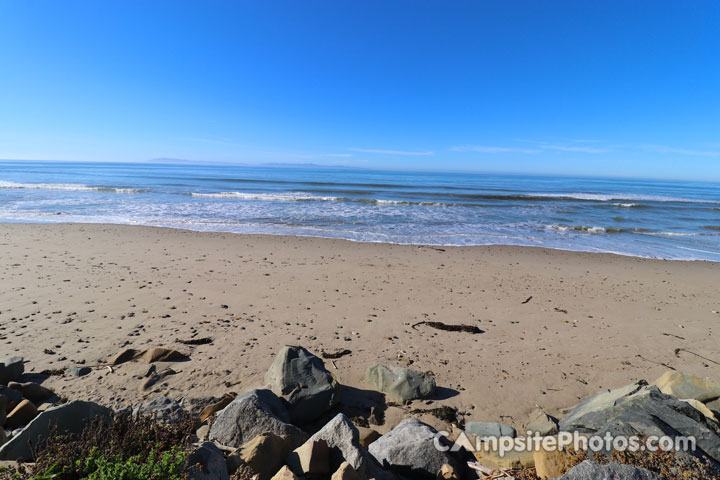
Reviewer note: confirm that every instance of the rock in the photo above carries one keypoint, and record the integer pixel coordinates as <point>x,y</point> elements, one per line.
<point>589,470</point>
<point>490,429</point>
<point>400,384</point>
<point>203,432</point>
<point>126,355</point>
<point>11,369</point>
<point>3,410</point>
<point>510,460</point>
<point>700,407</point>
<point>593,413</point>
<point>264,454</point>
<point>14,397</point>
<point>213,408</point>
<point>195,405</point>
<point>552,463</point>
<point>684,385</point>
<point>344,443</point>
<point>78,371</point>
<point>251,414</point>
<point>206,462</point>
<point>367,436</point>
<point>65,419</point>
<point>303,381</point>
<point>345,472</point>
<point>34,392</point>
<point>163,408</point>
<point>542,423</point>
<point>409,450</point>
<point>714,406</point>
<point>644,410</point>
<point>3,437</point>
<point>285,474</point>
<point>447,472</point>
<point>21,415</point>
<point>311,458</point>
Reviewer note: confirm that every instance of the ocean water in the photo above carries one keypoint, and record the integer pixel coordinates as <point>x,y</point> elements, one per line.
<point>647,218</point>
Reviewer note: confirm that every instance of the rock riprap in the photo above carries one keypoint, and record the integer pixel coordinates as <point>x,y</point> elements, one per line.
<point>302,380</point>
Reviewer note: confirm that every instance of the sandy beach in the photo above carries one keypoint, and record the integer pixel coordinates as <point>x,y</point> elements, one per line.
<point>557,326</point>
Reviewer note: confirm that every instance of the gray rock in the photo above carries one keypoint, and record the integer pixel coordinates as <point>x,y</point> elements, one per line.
<point>645,411</point>
<point>490,429</point>
<point>409,450</point>
<point>542,423</point>
<point>66,419</point>
<point>207,462</point>
<point>78,371</point>
<point>400,384</point>
<point>163,408</point>
<point>589,470</point>
<point>595,412</point>
<point>14,397</point>
<point>11,369</point>
<point>303,381</point>
<point>195,405</point>
<point>343,440</point>
<point>250,414</point>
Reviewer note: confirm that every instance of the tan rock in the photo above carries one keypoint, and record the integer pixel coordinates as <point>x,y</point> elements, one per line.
<point>552,463</point>
<point>714,405</point>
<point>447,472</point>
<point>367,436</point>
<point>212,409</point>
<point>345,472</point>
<point>264,454</point>
<point>34,392</point>
<point>684,385</point>
<point>285,474</point>
<point>158,354</point>
<point>202,432</point>
<point>311,458</point>
<point>510,460</point>
<point>701,407</point>
<point>21,415</point>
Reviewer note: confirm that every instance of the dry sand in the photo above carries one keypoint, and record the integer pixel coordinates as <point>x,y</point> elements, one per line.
<point>81,293</point>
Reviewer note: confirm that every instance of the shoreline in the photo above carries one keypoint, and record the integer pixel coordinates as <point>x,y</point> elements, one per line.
<point>87,291</point>
<point>370,242</point>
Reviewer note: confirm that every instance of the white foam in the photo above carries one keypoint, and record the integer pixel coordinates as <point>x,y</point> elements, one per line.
<point>278,197</point>
<point>599,197</point>
<point>75,187</point>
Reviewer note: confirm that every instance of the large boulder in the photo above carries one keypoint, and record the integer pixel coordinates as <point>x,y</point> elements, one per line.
<point>589,470</point>
<point>644,410</point>
<point>409,450</point>
<point>64,419</point>
<point>251,414</point>
<point>400,384</point>
<point>11,369</point>
<point>206,462</point>
<point>343,441</point>
<point>302,380</point>
<point>684,385</point>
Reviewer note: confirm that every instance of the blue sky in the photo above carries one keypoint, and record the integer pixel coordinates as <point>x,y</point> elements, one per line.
<point>626,88</point>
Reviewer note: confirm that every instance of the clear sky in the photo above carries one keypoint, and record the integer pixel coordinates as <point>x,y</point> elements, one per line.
<point>627,88</point>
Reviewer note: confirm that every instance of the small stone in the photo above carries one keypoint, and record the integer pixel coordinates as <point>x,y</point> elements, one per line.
<point>589,470</point>
<point>78,371</point>
<point>206,462</point>
<point>447,472</point>
<point>542,423</point>
<point>34,392</point>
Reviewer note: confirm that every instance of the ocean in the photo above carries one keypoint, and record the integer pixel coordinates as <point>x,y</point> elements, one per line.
<point>645,218</point>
